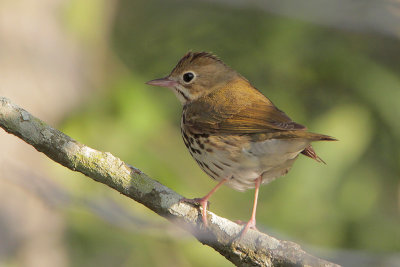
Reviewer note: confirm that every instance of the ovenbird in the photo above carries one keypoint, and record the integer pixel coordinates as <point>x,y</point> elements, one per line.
<point>235,134</point>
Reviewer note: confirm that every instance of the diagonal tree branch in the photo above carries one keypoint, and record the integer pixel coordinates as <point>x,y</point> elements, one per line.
<point>254,249</point>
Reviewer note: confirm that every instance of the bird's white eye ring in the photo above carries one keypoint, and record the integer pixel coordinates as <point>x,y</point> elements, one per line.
<point>187,77</point>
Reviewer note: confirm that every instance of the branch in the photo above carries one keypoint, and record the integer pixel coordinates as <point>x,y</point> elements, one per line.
<point>254,249</point>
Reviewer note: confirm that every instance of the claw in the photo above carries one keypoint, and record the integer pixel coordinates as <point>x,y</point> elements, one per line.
<point>201,202</point>
<point>249,225</point>
<point>194,201</point>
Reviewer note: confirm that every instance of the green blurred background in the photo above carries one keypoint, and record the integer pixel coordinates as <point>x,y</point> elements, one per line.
<point>340,82</point>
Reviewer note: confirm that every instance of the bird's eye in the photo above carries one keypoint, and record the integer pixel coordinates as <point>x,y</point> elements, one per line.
<point>187,77</point>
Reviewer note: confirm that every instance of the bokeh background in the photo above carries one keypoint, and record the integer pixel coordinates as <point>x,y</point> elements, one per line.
<point>81,66</point>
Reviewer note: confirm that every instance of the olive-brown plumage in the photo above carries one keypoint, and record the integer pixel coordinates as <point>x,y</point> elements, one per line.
<point>235,133</point>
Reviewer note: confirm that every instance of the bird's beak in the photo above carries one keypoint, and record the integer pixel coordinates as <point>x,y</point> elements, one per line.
<point>163,82</point>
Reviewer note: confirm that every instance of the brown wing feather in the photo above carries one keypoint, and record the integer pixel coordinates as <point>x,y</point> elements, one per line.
<point>237,108</point>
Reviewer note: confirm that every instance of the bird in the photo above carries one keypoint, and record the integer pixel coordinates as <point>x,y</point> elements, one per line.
<point>236,135</point>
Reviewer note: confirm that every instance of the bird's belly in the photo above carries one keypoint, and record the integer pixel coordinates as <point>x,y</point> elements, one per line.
<point>241,161</point>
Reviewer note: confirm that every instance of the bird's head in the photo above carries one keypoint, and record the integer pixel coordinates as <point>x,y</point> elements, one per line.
<point>195,75</point>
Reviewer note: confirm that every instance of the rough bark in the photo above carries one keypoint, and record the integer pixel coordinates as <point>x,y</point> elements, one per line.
<point>254,249</point>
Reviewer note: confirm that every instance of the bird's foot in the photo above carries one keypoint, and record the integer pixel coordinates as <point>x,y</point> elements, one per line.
<point>249,225</point>
<point>201,202</point>
<point>194,201</point>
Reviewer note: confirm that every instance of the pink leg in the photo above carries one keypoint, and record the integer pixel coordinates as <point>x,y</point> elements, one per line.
<point>252,223</point>
<point>203,202</point>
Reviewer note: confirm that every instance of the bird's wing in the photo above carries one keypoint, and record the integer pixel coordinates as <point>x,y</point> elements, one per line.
<point>234,111</point>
